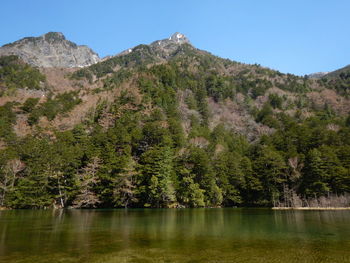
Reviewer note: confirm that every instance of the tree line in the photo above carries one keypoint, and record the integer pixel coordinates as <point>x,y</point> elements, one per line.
<point>145,158</point>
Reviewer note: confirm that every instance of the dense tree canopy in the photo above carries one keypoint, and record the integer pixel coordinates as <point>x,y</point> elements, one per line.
<point>147,157</point>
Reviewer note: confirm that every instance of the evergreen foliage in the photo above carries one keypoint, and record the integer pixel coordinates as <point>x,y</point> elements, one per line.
<point>15,74</point>
<point>149,156</point>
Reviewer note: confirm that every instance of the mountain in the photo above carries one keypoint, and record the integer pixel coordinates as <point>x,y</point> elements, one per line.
<point>51,50</point>
<point>168,125</point>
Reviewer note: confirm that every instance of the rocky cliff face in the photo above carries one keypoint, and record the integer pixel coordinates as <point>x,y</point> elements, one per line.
<point>51,50</point>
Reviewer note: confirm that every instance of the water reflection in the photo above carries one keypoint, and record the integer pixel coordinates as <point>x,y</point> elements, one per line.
<point>87,232</point>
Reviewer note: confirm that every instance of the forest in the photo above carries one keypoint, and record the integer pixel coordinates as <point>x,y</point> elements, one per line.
<point>136,151</point>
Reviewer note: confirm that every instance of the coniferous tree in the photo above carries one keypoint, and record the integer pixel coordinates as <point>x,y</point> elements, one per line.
<point>157,177</point>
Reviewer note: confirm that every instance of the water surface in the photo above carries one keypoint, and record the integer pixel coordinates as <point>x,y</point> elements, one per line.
<point>170,235</point>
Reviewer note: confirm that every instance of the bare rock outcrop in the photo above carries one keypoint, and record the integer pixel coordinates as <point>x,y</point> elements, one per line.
<point>51,50</point>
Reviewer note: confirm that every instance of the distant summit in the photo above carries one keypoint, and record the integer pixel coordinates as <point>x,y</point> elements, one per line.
<point>171,43</point>
<point>51,50</point>
<point>163,49</point>
<point>179,38</point>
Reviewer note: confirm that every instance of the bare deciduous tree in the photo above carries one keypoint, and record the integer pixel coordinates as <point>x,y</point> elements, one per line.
<point>296,166</point>
<point>87,179</point>
<point>8,178</point>
<point>124,191</point>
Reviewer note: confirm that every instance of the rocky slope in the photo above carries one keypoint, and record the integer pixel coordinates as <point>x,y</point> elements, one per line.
<point>51,50</point>
<point>235,92</point>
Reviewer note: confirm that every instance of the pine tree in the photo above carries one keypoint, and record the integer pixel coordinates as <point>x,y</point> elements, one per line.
<point>202,168</point>
<point>314,183</point>
<point>229,176</point>
<point>189,192</point>
<point>270,168</point>
<point>156,180</point>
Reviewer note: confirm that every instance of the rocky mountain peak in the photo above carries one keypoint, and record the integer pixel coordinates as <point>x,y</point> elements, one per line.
<point>176,38</point>
<point>179,38</point>
<point>170,44</point>
<point>51,50</point>
<point>164,48</point>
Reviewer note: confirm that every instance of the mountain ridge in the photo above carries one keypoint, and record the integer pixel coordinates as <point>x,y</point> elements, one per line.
<point>169,125</point>
<point>167,45</point>
<point>51,50</point>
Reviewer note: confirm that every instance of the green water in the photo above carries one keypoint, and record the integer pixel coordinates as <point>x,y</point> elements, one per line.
<point>169,235</point>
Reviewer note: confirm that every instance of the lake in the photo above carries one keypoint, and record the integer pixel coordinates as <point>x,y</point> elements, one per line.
<point>174,235</point>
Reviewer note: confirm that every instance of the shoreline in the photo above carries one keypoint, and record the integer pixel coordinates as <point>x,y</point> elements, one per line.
<point>273,208</point>
<point>310,208</point>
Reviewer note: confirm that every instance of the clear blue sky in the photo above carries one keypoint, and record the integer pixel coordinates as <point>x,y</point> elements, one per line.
<point>296,36</point>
